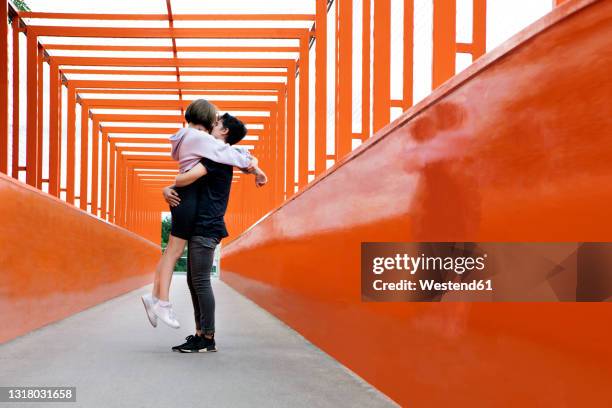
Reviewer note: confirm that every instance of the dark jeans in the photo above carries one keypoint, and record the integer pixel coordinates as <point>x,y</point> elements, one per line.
<point>199,265</point>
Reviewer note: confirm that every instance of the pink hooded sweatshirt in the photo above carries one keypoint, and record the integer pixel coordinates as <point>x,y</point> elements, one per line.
<point>190,145</point>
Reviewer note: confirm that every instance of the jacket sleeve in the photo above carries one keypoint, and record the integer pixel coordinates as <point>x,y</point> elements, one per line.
<point>215,150</point>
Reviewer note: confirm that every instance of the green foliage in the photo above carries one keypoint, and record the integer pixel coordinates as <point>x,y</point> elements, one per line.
<point>21,5</point>
<point>166,224</point>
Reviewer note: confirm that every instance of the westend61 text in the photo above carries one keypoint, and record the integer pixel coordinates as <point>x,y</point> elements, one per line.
<point>430,284</point>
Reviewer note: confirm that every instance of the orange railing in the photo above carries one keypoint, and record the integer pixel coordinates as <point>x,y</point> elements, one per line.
<point>57,260</point>
<point>513,149</point>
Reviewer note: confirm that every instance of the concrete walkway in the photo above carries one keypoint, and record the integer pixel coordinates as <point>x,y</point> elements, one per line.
<point>116,359</point>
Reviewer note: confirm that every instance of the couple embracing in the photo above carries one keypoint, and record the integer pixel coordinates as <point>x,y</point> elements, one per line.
<point>206,153</point>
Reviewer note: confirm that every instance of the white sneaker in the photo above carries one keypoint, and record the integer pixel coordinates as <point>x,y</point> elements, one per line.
<point>147,301</point>
<point>166,314</point>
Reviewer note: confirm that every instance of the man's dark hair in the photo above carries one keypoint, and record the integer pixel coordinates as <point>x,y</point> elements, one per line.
<point>236,129</point>
<point>201,112</point>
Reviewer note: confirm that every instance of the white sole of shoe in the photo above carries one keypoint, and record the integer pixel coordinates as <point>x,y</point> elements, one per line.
<point>152,317</point>
<point>178,326</point>
<point>198,351</point>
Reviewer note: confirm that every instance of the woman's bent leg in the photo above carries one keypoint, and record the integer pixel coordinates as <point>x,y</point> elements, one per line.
<point>165,267</point>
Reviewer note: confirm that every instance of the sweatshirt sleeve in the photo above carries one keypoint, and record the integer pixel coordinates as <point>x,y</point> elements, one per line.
<point>207,146</point>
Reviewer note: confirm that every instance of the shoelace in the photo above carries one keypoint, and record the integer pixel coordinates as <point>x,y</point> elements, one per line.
<point>171,314</point>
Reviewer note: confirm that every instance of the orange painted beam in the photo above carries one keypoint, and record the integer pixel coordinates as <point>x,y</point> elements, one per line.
<point>336,66</point>
<point>444,43</point>
<point>159,160</point>
<point>169,92</point>
<point>16,97</point>
<point>381,89</point>
<point>104,182</point>
<point>165,73</point>
<point>164,17</point>
<point>157,103</point>
<point>95,148</point>
<point>124,117</point>
<point>39,118</point>
<point>320,86</point>
<point>152,162</point>
<point>303,114</point>
<point>60,157</point>
<point>146,170</point>
<point>123,149</point>
<point>281,140</point>
<point>160,178</point>
<point>174,52</point>
<point>54,134</point>
<point>291,134</point>
<point>479,28</point>
<point>163,62</point>
<point>80,83</point>
<point>344,99</point>
<point>32,114</point>
<point>158,140</point>
<point>140,129</point>
<point>365,69</point>
<point>119,215</point>
<point>408,58</point>
<point>112,168</point>
<point>70,144</point>
<point>84,164</point>
<point>155,130</point>
<point>153,48</point>
<point>145,32</point>
<point>108,117</point>
<point>4,101</point>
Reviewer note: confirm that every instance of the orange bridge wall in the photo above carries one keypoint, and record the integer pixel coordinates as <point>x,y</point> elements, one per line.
<point>56,260</point>
<point>516,148</point>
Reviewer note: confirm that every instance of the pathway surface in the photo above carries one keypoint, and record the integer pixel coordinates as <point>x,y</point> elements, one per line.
<point>116,359</point>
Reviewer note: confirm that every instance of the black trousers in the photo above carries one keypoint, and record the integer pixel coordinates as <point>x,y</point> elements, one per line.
<point>199,265</point>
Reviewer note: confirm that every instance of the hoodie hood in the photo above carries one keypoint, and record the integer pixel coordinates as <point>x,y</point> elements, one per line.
<point>177,139</point>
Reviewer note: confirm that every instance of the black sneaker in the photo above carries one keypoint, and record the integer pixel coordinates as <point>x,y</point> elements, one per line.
<point>190,339</point>
<point>199,345</point>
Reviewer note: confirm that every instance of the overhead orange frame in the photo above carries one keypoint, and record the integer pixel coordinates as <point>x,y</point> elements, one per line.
<point>145,32</point>
<point>119,117</point>
<point>164,17</point>
<point>163,48</point>
<point>290,120</point>
<point>274,123</point>
<point>92,71</point>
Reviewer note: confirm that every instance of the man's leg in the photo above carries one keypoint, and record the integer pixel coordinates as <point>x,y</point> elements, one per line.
<point>202,252</point>
<point>196,308</point>
<point>194,296</point>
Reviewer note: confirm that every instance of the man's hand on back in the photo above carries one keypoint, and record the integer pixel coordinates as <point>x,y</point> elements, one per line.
<point>171,196</point>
